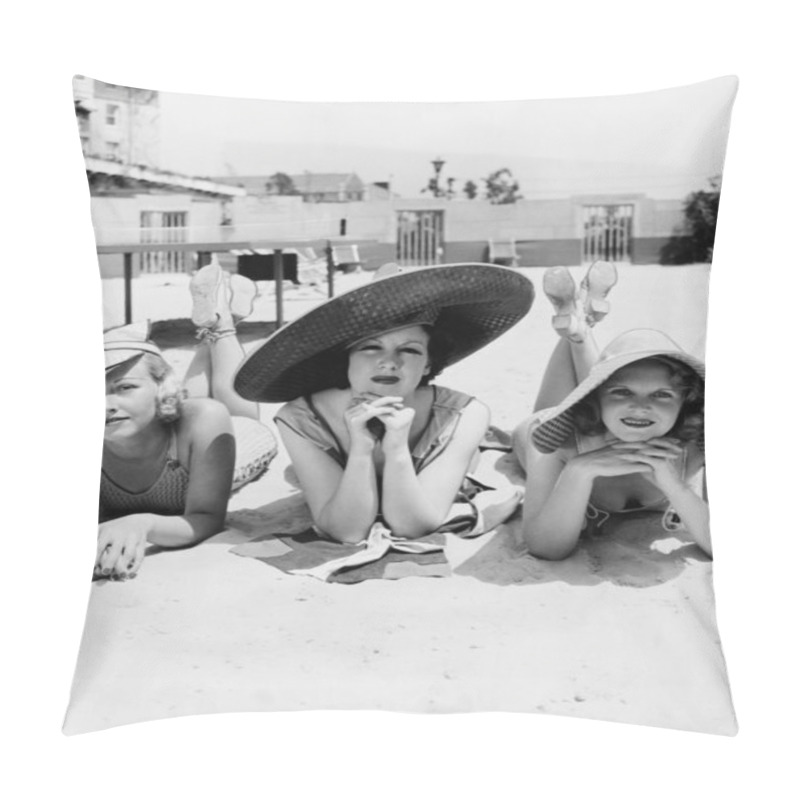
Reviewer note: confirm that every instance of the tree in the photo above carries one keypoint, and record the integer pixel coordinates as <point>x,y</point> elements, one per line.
<point>471,190</point>
<point>501,187</point>
<point>695,244</point>
<point>281,183</point>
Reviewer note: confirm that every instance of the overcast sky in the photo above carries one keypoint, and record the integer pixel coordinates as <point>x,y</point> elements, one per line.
<point>666,142</point>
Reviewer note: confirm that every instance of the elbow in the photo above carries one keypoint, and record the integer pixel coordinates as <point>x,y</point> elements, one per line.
<point>202,527</point>
<point>342,534</point>
<point>414,529</point>
<point>549,547</point>
<point>549,553</point>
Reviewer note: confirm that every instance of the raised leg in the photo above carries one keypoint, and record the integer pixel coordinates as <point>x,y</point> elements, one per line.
<point>216,299</point>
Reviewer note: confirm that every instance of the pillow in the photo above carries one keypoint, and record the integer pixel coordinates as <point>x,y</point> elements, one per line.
<point>267,209</point>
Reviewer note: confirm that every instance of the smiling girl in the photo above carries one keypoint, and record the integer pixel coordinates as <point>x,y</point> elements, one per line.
<point>170,461</point>
<point>627,438</point>
<point>370,437</point>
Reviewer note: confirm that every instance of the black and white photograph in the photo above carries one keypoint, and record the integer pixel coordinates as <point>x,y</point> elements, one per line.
<point>422,461</point>
<point>419,397</point>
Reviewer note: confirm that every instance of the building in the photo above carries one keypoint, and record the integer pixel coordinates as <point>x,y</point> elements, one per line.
<point>312,187</point>
<point>117,123</point>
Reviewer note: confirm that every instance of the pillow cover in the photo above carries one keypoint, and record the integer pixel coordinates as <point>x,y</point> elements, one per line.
<point>307,201</point>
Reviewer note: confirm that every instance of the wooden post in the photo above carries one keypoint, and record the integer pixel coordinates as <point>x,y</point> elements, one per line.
<point>128,277</point>
<point>331,267</point>
<point>278,261</point>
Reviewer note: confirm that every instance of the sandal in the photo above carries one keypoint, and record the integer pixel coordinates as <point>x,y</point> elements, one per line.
<point>205,288</point>
<point>599,280</point>
<point>559,286</point>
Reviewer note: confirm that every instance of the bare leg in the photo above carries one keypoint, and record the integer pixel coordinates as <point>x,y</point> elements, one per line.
<point>568,366</point>
<point>215,362</point>
<point>226,353</point>
<point>197,382</point>
<point>576,351</point>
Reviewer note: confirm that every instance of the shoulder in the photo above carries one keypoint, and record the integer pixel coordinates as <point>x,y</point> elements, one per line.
<point>445,396</point>
<point>556,460</point>
<point>204,416</point>
<point>293,409</point>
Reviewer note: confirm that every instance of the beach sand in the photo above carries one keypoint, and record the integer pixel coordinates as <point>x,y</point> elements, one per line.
<point>624,630</point>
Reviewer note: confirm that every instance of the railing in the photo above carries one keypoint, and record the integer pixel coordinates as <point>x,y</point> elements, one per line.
<point>205,249</point>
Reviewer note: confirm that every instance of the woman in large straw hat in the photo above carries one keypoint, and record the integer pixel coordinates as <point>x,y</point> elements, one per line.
<point>370,437</point>
<point>613,432</point>
<point>170,461</point>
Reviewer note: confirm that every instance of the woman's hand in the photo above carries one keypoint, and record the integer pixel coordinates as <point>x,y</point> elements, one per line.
<point>361,410</point>
<point>662,456</point>
<point>398,425</point>
<point>120,546</point>
<point>617,458</point>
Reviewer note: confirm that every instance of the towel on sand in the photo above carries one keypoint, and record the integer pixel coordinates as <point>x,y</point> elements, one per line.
<point>380,555</point>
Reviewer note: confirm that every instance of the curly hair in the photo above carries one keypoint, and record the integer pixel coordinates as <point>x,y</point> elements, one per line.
<point>688,426</point>
<point>171,394</point>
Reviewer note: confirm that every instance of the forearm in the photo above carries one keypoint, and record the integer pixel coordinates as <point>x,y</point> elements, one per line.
<point>693,511</point>
<point>185,530</point>
<point>552,531</point>
<point>351,511</point>
<point>406,508</point>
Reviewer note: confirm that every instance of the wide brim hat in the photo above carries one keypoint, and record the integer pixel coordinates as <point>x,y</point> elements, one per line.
<point>127,342</point>
<point>477,302</point>
<point>557,425</point>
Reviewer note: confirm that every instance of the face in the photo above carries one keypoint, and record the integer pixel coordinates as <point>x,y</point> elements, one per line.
<point>391,363</point>
<point>130,401</point>
<point>640,402</point>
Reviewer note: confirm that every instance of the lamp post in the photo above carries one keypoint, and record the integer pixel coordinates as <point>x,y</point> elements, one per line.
<point>438,163</point>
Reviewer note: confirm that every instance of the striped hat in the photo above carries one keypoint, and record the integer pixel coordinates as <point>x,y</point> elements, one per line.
<point>123,344</point>
<point>475,302</point>
<point>557,425</point>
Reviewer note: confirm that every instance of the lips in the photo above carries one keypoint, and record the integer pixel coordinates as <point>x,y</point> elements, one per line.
<point>115,419</point>
<point>385,379</point>
<point>633,422</point>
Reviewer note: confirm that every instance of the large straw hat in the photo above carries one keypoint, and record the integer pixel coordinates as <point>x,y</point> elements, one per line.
<point>124,343</point>
<point>557,424</point>
<point>476,302</point>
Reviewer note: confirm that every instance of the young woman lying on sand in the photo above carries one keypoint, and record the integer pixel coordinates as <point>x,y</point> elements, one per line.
<point>170,462</point>
<point>370,437</point>
<point>622,430</point>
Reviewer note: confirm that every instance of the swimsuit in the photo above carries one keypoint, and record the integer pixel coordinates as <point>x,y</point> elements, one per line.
<point>255,449</point>
<point>304,419</point>
<point>166,495</point>
<point>596,515</point>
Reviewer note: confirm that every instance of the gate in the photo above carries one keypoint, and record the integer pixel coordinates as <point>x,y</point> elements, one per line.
<point>420,237</point>
<point>162,227</point>
<point>607,232</point>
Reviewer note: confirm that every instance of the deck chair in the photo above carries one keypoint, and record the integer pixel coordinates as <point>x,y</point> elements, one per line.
<point>503,253</point>
<point>346,257</point>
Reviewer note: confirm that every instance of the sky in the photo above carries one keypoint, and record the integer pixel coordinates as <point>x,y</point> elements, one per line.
<point>665,143</point>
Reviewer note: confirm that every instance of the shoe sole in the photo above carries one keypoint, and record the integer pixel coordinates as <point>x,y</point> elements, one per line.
<point>242,297</point>
<point>204,286</point>
<point>559,286</point>
<point>599,281</point>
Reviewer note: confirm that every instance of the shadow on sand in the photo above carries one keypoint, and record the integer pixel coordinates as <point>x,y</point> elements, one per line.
<point>632,551</point>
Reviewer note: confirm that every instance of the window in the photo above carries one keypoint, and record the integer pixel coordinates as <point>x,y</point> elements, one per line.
<point>112,114</point>
<point>158,227</point>
<point>112,150</point>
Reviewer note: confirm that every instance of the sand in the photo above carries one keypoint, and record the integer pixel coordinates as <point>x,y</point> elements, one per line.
<point>624,630</point>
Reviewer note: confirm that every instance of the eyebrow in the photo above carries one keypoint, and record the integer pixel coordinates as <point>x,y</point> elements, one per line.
<point>419,342</point>
<point>621,385</point>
